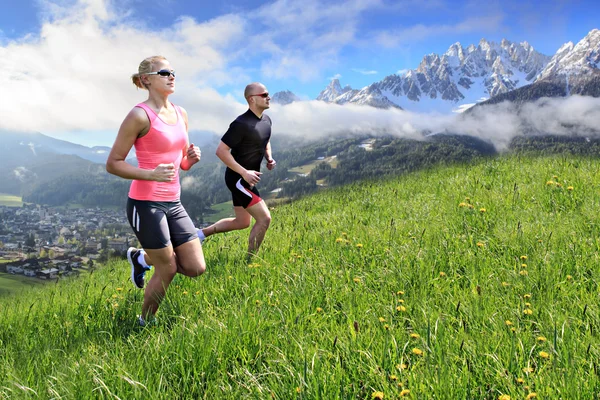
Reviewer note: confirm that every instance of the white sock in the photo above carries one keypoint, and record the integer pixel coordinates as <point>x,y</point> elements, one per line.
<point>142,259</point>
<point>201,235</point>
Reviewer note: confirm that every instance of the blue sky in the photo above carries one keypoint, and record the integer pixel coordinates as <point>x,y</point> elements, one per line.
<point>70,60</point>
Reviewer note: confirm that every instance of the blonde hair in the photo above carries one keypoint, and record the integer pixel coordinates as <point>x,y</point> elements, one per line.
<point>145,67</point>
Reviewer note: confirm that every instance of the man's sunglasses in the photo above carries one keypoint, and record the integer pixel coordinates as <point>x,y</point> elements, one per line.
<point>263,95</point>
<point>162,72</point>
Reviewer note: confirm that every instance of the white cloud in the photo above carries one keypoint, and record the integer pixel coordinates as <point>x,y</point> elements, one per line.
<point>364,71</point>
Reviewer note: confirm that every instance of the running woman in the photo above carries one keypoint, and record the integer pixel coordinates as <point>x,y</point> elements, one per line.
<point>158,130</point>
<point>242,148</point>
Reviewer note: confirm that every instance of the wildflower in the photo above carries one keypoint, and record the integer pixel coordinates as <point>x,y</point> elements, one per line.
<point>359,245</point>
<point>479,244</point>
<point>401,308</point>
<point>570,188</point>
<point>527,304</point>
<point>197,292</point>
<point>541,339</point>
<point>531,395</point>
<point>523,265</point>
<point>467,199</point>
<point>442,274</point>
<point>298,389</point>
<point>356,280</point>
<point>414,336</point>
<point>257,302</point>
<point>569,277</point>
<point>399,292</point>
<point>377,395</point>
<point>549,183</point>
<point>381,319</point>
<point>505,284</point>
<point>404,392</point>
<point>527,296</point>
<point>527,311</point>
<point>339,240</point>
<point>554,177</point>
<point>461,205</point>
<point>513,329</point>
<point>482,210</point>
<point>543,354</point>
<point>119,289</point>
<point>558,184</point>
<point>393,378</point>
<point>520,381</point>
<point>319,309</point>
<point>417,352</point>
<point>115,305</point>
<point>185,292</point>
<point>528,370</point>
<point>523,273</point>
<point>386,327</point>
<point>504,397</point>
<point>471,206</point>
<point>523,257</point>
<point>508,322</point>
<point>230,277</point>
<point>114,296</point>
<point>400,301</point>
<point>401,366</point>
<point>344,233</point>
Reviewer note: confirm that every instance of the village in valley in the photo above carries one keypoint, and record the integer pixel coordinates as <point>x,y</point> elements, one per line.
<point>46,242</point>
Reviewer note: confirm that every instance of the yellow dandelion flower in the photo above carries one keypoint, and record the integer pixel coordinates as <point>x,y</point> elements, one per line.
<point>399,292</point>
<point>505,284</point>
<point>523,257</point>
<point>339,240</point>
<point>508,322</point>
<point>527,304</point>
<point>298,389</point>
<point>471,206</point>
<point>569,277</point>
<point>479,244</point>
<point>526,388</point>
<point>513,329</point>
<point>527,311</point>
<point>467,199</point>
<point>541,339</point>
<point>230,277</point>
<point>527,296</point>
<point>115,305</point>
<point>528,370</point>
<point>442,274</point>
<point>114,296</point>
<point>356,280</point>
<point>549,183</point>
<point>197,292</point>
<point>504,397</point>
<point>359,245</point>
<point>401,308</point>
<point>543,354</point>
<point>554,177</point>
<point>404,392</point>
<point>524,273</point>
<point>531,395</point>
<point>417,352</point>
<point>344,234</point>
<point>400,301</point>
<point>462,204</point>
<point>520,381</point>
<point>185,292</point>
<point>257,302</point>
<point>482,210</point>
<point>377,395</point>
<point>381,319</point>
<point>570,188</point>
<point>119,289</point>
<point>319,309</point>
<point>523,265</point>
<point>558,184</point>
<point>393,378</point>
<point>401,366</point>
<point>414,336</point>
<point>386,327</point>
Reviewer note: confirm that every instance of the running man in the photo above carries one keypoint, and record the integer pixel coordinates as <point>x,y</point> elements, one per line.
<point>242,149</point>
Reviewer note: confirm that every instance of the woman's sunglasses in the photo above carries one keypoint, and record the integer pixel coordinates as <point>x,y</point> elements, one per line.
<point>162,72</point>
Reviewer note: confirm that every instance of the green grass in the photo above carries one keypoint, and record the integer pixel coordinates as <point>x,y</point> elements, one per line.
<point>10,200</point>
<point>221,210</point>
<point>419,283</point>
<point>14,284</point>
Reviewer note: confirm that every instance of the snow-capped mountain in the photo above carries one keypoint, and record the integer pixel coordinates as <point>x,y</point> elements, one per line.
<point>284,97</point>
<point>580,59</point>
<point>458,77</point>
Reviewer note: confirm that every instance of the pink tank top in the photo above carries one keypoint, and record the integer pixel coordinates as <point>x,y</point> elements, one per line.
<point>163,144</point>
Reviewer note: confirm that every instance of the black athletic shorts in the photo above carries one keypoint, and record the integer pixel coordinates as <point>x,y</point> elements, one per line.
<point>160,223</point>
<point>241,193</point>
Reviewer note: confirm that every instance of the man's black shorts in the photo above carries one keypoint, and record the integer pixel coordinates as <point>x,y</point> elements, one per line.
<point>241,193</point>
<point>157,224</point>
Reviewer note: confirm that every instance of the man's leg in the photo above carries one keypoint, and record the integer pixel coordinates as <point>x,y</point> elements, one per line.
<point>241,221</point>
<point>262,216</point>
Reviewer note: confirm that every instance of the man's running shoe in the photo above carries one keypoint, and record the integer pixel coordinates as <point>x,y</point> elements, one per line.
<point>200,235</point>
<point>138,271</point>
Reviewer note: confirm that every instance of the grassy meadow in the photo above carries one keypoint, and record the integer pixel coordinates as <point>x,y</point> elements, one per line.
<point>12,284</point>
<point>464,282</point>
<point>10,200</point>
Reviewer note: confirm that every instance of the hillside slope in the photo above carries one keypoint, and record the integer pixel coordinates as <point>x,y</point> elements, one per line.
<point>470,281</point>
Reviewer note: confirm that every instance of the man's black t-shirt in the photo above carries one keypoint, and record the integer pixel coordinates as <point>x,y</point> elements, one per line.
<point>247,137</point>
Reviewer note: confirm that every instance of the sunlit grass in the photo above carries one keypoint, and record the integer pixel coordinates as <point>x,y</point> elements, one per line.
<point>475,281</point>
<point>10,200</point>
